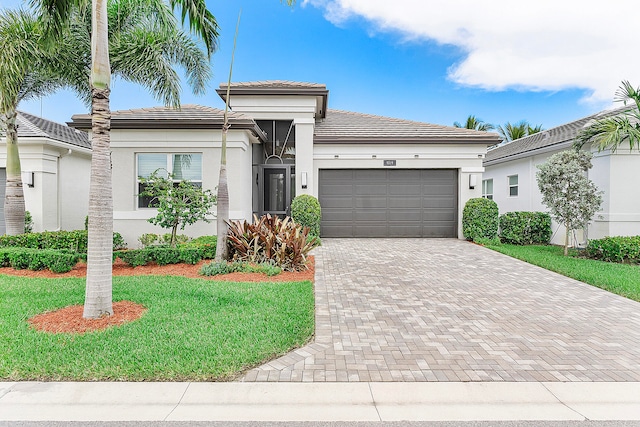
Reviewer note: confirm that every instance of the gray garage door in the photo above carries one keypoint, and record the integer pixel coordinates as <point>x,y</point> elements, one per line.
<point>3,179</point>
<point>389,202</point>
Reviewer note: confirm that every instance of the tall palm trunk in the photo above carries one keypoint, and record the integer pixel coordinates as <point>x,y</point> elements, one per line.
<point>98,297</point>
<point>14,195</point>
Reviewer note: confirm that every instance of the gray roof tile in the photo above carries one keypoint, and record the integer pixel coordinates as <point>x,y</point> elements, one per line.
<point>563,134</point>
<point>30,126</point>
<point>348,127</point>
<point>275,84</point>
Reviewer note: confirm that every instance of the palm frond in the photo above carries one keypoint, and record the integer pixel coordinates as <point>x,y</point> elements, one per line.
<point>201,21</point>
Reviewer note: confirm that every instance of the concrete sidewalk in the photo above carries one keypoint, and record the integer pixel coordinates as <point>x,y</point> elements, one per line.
<point>363,401</point>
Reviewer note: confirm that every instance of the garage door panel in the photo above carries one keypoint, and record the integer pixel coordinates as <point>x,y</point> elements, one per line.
<point>388,203</point>
<point>371,202</point>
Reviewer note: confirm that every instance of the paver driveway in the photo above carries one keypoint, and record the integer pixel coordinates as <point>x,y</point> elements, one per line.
<point>449,310</point>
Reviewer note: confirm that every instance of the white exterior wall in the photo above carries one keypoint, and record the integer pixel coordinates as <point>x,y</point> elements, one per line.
<point>619,213</point>
<point>466,158</point>
<point>60,196</point>
<point>131,221</point>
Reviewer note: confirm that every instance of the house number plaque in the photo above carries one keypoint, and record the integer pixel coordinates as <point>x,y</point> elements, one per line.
<point>389,162</point>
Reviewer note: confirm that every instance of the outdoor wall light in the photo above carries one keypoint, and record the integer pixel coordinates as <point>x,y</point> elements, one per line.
<point>473,181</point>
<point>303,179</point>
<point>27,179</point>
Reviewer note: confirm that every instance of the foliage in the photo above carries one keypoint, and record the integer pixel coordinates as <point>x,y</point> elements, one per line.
<point>28,222</point>
<point>75,241</point>
<point>486,241</point>
<point>179,203</point>
<point>215,268</point>
<point>271,239</point>
<point>205,244</point>
<point>511,132</point>
<point>475,123</point>
<point>193,329</point>
<point>150,239</point>
<point>624,249</point>
<point>57,261</point>
<point>163,255</point>
<point>305,210</point>
<point>611,132</point>
<point>480,219</point>
<point>572,198</point>
<point>620,279</point>
<point>525,228</point>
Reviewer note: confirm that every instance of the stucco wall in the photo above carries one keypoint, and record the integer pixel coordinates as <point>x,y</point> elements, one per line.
<point>131,221</point>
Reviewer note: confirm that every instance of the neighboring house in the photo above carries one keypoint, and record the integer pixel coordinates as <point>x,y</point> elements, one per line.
<point>374,176</point>
<point>56,163</point>
<point>510,179</point>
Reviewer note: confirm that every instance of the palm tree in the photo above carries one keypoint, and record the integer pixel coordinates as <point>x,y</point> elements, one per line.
<point>511,132</point>
<point>25,71</point>
<point>57,14</point>
<point>474,123</point>
<point>611,132</point>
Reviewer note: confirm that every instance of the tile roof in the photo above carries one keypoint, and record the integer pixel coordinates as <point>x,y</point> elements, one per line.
<point>274,84</point>
<point>188,116</point>
<point>547,139</point>
<point>348,127</point>
<point>32,126</point>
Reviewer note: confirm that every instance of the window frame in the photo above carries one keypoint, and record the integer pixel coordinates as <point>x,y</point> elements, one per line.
<point>168,167</point>
<point>485,193</point>
<point>513,186</point>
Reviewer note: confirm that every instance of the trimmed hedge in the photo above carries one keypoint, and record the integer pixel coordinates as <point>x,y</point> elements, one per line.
<point>58,261</point>
<point>525,228</point>
<point>305,210</point>
<point>75,241</point>
<point>163,255</point>
<point>623,249</point>
<point>480,219</point>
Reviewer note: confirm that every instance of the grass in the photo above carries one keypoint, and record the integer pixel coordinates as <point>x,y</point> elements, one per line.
<point>193,330</point>
<point>621,279</point>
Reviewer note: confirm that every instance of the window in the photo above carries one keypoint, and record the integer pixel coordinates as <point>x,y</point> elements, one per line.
<point>513,185</point>
<point>487,189</point>
<point>187,166</point>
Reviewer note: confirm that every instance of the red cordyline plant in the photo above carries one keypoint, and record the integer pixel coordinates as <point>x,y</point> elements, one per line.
<point>271,239</point>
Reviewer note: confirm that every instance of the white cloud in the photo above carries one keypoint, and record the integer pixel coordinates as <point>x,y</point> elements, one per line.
<point>541,45</point>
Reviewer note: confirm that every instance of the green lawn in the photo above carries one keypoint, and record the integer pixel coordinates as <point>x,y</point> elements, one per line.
<point>193,329</point>
<point>621,279</point>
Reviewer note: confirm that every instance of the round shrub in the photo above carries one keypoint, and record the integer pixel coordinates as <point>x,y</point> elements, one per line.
<point>480,219</point>
<point>305,210</point>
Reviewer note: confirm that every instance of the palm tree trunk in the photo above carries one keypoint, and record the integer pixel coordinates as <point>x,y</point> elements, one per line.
<point>223,204</point>
<point>98,296</point>
<point>14,195</point>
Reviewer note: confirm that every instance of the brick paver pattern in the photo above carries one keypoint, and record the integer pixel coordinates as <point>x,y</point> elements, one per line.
<point>449,310</point>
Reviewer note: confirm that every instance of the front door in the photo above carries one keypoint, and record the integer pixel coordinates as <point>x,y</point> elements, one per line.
<point>277,189</point>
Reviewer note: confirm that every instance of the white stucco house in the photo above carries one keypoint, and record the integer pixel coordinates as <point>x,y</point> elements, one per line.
<point>374,176</point>
<point>56,163</point>
<point>510,179</point>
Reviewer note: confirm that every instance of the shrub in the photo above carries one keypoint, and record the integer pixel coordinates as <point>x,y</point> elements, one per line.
<point>223,267</point>
<point>615,249</point>
<point>487,242</point>
<point>75,241</point>
<point>525,228</point>
<point>135,257</point>
<point>480,219</point>
<point>147,239</point>
<point>28,222</point>
<point>271,239</point>
<point>37,259</point>
<point>305,210</point>
<point>205,244</point>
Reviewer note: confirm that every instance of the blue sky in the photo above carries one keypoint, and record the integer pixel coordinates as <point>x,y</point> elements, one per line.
<point>424,60</point>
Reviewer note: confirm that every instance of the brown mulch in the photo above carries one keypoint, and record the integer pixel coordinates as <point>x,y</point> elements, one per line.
<point>70,320</point>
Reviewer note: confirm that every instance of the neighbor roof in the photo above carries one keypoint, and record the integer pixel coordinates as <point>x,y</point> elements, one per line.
<point>278,87</point>
<point>554,138</point>
<point>30,126</point>
<point>189,116</point>
<point>348,127</point>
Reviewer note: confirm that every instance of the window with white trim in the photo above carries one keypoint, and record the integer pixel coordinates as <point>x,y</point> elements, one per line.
<point>487,189</point>
<point>182,166</point>
<point>513,185</point>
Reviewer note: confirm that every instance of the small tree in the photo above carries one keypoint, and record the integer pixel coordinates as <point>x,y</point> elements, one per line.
<point>179,203</point>
<point>572,198</point>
